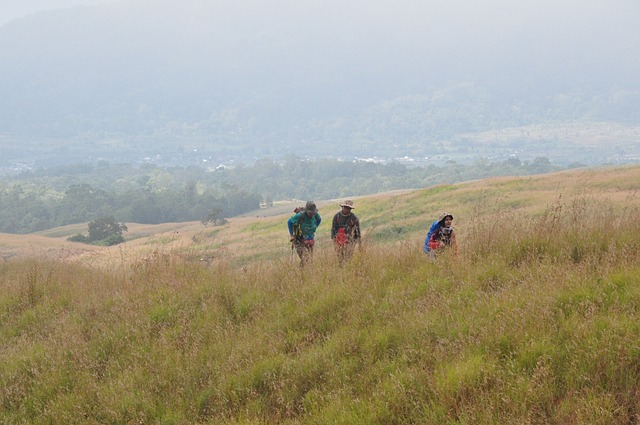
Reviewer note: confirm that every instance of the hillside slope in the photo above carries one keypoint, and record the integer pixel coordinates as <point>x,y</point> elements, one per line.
<point>535,322</point>
<point>386,218</point>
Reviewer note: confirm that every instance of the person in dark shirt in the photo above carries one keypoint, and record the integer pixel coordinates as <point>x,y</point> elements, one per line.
<point>345,231</point>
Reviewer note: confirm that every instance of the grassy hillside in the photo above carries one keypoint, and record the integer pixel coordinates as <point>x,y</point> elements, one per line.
<point>536,320</point>
<point>387,218</point>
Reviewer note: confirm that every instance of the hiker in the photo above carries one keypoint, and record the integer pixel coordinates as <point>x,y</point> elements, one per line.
<point>440,236</point>
<point>302,228</point>
<point>345,231</point>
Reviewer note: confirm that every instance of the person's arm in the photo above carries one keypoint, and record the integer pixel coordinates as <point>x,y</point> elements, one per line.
<point>356,232</point>
<point>318,219</point>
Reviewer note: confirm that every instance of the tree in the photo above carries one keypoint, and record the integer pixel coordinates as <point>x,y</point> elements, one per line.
<point>107,230</point>
<point>82,202</point>
<point>540,165</point>
<point>214,218</point>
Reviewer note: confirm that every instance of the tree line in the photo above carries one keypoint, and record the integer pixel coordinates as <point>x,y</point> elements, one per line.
<point>48,198</point>
<point>25,211</point>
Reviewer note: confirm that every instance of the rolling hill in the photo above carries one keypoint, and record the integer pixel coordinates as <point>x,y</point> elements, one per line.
<point>386,218</point>
<point>534,322</point>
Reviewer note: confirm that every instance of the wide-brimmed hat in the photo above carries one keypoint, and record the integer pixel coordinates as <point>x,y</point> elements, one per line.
<point>348,203</point>
<point>445,215</point>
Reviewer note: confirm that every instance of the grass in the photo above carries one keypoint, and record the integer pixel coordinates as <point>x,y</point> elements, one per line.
<point>536,322</point>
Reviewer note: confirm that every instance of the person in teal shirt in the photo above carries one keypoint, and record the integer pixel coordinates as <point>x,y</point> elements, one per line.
<point>302,228</point>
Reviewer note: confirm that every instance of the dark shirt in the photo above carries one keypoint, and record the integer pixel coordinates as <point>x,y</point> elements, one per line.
<point>349,223</point>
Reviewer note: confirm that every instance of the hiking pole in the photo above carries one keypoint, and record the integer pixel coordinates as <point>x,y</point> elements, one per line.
<point>291,254</point>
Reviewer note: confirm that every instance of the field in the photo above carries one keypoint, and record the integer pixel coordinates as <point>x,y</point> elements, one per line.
<point>536,321</point>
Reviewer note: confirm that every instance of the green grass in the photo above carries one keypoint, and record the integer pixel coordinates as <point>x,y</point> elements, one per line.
<point>524,326</point>
<point>266,227</point>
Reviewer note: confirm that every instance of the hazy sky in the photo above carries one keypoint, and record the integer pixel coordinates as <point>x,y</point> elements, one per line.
<point>465,36</point>
<point>13,9</point>
<point>200,57</point>
<point>535,24</point>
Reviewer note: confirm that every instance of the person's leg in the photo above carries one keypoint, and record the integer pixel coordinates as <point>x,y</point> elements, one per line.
<point>339,252</point>
<point>309,253</point>
<point>348,250</point>
<point>300,249</point>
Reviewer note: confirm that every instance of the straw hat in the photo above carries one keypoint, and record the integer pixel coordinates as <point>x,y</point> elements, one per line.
<point>445,215</point>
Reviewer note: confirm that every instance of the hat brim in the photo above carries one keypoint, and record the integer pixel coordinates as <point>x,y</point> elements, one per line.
<point>348,206</point>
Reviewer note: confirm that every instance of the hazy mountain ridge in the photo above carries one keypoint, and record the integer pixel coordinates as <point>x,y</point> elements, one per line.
<point>265,79</point>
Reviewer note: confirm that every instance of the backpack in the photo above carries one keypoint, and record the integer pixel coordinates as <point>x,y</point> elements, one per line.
<point>297,228</point>
<point>429,242</point>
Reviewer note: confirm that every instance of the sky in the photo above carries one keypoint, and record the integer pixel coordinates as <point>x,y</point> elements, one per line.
<point>539,25</point>
<point>15,9</point>
<point>468,37</point>
<point>311,58</point>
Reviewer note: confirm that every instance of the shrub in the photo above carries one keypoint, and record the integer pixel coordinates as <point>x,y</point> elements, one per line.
<point>78,238</point>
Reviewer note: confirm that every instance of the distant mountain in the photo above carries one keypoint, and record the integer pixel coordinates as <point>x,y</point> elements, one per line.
<point>315,77</point>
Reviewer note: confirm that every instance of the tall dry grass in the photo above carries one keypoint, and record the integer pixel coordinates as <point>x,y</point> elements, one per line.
<point>535,322</point>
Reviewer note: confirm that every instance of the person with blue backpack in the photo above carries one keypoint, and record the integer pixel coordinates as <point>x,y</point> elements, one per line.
<point>302,228</point>
<point>440,236</point>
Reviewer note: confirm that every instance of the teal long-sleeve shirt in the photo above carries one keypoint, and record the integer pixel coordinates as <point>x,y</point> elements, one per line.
<point>308,224</point>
